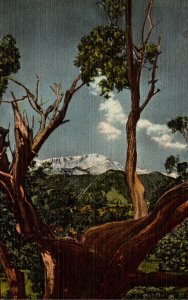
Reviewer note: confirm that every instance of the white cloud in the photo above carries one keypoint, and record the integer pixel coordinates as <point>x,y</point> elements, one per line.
<point>152,128</point>
<point>114,116</point>
<point>95,88</point>
<point>160,134</point>
<point>109,130</point>
<point>166,141</point>
<point>113,111</point>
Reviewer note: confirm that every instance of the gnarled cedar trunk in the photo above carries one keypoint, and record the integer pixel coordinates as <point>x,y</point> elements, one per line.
<point>120,247</point>
<point>15,278</point>
<point>105,260</point>
<point>135,185</point>
<point>103,263</point>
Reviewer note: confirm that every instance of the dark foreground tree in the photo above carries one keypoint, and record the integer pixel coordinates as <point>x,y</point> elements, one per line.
<point>111,52</point>
<point>104,262</point>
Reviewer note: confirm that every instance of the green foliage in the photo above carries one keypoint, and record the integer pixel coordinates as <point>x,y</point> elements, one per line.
<point>69,206</point>
<point>180,124</point>
<point>24,255</point>
<point>156,293</point>
<point>151,52</point>
<point>114,9</point>
<point>102,52</point>
<point>182,169</point>
<point>171,251</point>
<point>9,60</point>
<point>155,185</point>
<point>173,164</point>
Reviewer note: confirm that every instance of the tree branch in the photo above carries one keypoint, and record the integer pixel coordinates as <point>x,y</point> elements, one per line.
<point>37,89</point>
<point>15,100</point>
<point>159,279</point>
<point>122,240</point>
<point>129,41</point>
<point>31,98</point>
<point>148,20</point>
<point>24,139</point>
<point>152,91</point>
<point>58,116</point>
<point>106,12</point>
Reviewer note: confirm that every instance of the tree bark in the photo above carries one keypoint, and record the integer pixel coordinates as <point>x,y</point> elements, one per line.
<point>136,59</point>
<point>15,278</point>
<point>99,265</point>
<point>159,279</point>
<point>135,185</point>
<point>140,238</point>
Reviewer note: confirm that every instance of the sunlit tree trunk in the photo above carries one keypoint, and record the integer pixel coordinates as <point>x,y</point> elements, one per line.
<point>135,63</point>
<point>136,187</point>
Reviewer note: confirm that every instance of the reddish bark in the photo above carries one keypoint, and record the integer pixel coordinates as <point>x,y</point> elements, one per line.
<point>100,264</point>
<point>135,62</point>
<point>15,278</point>
<point>159,279</point>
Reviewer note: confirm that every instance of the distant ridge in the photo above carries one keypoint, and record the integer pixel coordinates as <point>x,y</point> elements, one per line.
<point>93,164</point>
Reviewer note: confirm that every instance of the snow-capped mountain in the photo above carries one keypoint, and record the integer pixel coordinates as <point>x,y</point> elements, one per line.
<point>79,165</point>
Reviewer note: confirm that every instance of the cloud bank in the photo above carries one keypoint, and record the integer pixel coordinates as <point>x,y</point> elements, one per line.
<point>115,119</point>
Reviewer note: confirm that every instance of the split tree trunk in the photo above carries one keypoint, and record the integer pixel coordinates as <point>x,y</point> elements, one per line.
<point>15,278</point>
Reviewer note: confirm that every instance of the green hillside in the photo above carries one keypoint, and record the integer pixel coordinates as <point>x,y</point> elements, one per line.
<point>79,201</point>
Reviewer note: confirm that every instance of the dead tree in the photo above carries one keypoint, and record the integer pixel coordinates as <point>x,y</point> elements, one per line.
<point>104,262</point>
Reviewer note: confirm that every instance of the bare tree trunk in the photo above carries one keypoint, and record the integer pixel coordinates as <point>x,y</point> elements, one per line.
<point>135,185</point>
<point>15,278</point>
<point>135,64</point>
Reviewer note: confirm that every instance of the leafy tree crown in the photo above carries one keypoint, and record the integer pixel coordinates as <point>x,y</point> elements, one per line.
<point>103,52</point>
<point>9,60</point>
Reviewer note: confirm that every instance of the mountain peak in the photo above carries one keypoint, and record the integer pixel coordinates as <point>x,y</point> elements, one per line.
<point>93,163</point>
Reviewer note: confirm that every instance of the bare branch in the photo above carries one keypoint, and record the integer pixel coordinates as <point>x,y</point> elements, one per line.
<point>25,119</point>
<point>54,107</point>
<point>37,89</point>
<point>106,12</point>
<point>8,140</point>
<point>20,84</point>
<point>153,91</point>
<point>16,100</point>
<point>24,139</point>
<point>148,21</point>
<point>73,86</point>
<point>32,99</point>
<point>33,122</point>
<point>58,116</point>
<point>79,87</point>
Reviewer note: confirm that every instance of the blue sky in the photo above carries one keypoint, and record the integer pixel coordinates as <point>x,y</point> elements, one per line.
<point>47,34</point>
